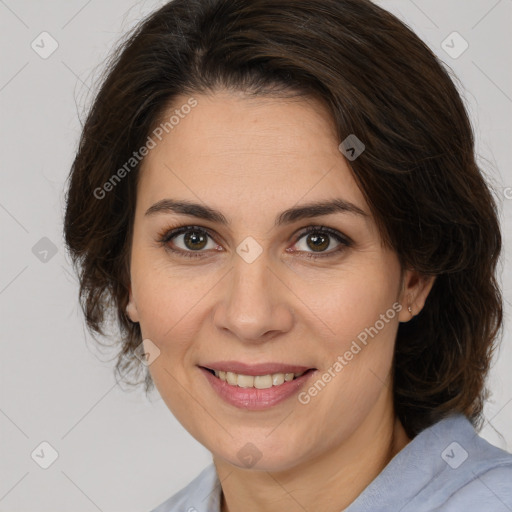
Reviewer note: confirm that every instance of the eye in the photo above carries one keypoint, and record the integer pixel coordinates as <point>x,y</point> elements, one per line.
<point>188,241</point>
<point>195,241</point>
<point>319,239</point>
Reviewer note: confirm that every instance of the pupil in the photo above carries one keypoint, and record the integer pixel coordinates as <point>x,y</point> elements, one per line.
<point>320,242</point>
<point>195,240</point>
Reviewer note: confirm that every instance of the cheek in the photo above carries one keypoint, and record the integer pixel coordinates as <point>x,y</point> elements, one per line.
<point>355,375</point>
<point>167,297</point>
<point>345,303</point>
<point>356,320</point>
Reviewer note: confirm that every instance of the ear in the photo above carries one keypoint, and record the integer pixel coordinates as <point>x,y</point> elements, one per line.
<point>414,293</point>
<point>131,309</point>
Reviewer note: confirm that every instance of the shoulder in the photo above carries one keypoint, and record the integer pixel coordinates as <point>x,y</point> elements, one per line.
<point>201,495</point>
<point>489,490</point>
<point>447,467</point>
<point>474,475</point>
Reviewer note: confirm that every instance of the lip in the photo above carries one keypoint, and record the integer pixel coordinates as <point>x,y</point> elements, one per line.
<point>257,399</point>
<point>255,369</point>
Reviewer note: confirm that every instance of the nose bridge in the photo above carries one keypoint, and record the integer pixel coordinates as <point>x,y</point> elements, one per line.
<point>250,272</point>
<point>254,303</point>
<point>250,281</point>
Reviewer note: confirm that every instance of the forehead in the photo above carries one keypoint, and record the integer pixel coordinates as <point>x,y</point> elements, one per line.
<point>238,150</point>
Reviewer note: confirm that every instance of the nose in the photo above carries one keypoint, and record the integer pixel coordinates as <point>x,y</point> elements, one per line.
<point>255,303</point>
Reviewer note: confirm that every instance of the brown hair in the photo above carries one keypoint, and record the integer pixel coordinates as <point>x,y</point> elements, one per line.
<point>418,172</point>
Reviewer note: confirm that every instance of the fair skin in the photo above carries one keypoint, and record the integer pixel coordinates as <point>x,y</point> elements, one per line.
<point>251,159</point>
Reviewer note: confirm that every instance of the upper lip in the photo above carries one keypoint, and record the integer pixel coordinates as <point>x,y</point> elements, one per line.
<point>255,369</point>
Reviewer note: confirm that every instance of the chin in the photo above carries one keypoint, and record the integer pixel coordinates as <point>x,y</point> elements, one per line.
<point>261,456</point>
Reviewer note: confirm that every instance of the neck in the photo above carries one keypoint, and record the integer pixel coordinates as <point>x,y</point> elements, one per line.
<point>329,482</point>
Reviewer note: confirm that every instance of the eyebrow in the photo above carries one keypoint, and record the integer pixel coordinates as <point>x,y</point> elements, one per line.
<point>294,214</point>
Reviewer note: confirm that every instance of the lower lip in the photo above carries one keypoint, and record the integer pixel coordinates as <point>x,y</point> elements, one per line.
<point>252,398</point>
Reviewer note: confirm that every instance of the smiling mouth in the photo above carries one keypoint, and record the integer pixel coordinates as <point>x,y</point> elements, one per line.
<point>256,381</point>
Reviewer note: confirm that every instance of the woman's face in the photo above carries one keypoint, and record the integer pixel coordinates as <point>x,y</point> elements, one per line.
<point>250,286</point>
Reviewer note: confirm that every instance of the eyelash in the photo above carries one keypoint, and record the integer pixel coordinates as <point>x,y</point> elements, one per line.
<point>168,234</point>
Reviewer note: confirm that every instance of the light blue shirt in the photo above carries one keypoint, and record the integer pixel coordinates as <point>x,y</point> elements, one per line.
<point>445,468</point>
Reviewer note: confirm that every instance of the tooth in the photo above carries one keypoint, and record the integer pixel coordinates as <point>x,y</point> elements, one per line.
<point>245,381</point>
<point>258,381</point>
<point>277,379</point>
<point>231,378</point>
<point>263,381</point>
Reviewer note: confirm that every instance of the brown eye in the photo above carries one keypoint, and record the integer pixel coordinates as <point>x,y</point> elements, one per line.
<point>317,242</point>
<point>188,241</point>
<point>195,240</point>
<point>317,239</point>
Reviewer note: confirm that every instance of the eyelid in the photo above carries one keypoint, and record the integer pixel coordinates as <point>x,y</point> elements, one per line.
<point>319,228</point>
<point>172,231</point>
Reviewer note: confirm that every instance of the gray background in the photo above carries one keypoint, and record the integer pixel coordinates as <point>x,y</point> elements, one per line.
<point>117,451</point>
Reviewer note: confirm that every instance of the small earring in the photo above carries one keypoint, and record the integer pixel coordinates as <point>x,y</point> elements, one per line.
<point>409,309</point>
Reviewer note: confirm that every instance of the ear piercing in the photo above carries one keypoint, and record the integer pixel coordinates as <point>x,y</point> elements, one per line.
<point>409,309</point>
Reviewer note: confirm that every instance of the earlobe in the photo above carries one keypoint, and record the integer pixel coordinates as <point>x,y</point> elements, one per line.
<point>414,294</point>
<point>131,309</point>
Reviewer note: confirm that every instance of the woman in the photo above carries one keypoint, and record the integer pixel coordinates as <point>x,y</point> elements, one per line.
<point>280,203</point>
